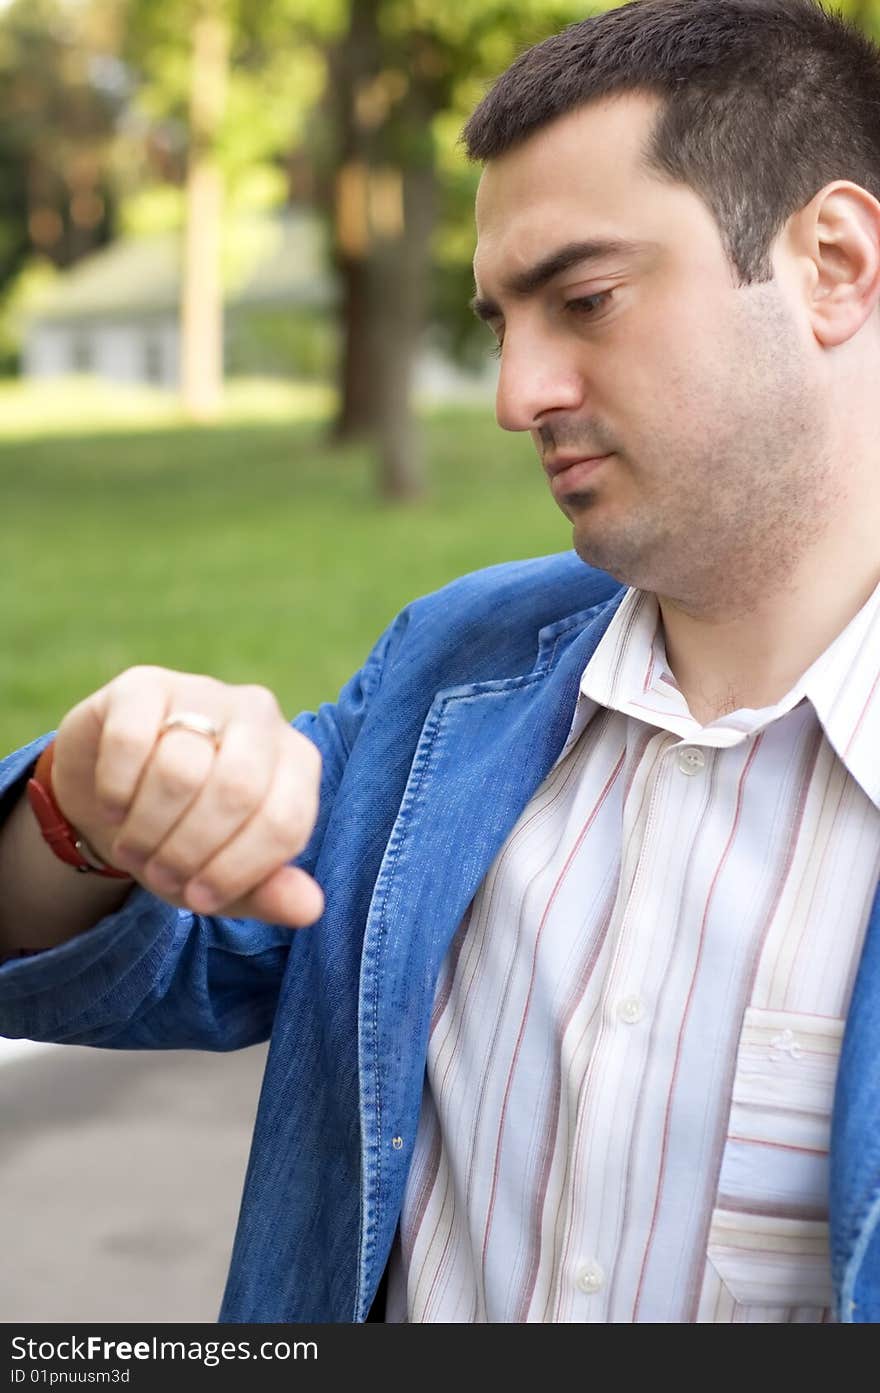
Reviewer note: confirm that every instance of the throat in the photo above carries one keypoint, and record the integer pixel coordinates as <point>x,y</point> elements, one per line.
<point>706,709</point>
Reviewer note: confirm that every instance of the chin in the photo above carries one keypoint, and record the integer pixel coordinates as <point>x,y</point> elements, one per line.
<point>611,560</point>
<point>590,558</point>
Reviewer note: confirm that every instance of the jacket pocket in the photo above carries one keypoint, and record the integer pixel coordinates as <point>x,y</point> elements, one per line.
<point>768,1241</point>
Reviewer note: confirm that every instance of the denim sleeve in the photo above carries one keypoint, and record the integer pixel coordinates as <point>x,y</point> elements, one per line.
<point>151,976</point>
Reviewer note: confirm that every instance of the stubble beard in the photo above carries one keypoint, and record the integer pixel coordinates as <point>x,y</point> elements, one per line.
<point>714,551</point>
<point>754,488</point>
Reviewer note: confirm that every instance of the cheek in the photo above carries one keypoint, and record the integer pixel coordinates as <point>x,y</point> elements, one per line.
<point>674,375</point>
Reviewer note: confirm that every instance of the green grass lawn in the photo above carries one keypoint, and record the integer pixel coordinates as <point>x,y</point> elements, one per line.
<point>250,550</point>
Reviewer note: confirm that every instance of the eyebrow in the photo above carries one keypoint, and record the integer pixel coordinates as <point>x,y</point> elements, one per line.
<point>572,254</point>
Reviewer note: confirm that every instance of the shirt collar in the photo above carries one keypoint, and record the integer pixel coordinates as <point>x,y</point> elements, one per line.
<point>628,672</point>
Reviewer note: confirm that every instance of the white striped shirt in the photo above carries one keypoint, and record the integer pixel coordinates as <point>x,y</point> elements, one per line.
<point>636,1030</point>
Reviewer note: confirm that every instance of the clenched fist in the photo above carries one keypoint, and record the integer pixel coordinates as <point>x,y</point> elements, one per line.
<point>209,829</point>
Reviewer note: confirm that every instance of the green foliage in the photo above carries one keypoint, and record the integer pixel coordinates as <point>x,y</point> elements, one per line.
<point>55,128</point>
<point>57,102</point>
<point>282,343</point>
<point>152,209</point>
<point>276,74</point>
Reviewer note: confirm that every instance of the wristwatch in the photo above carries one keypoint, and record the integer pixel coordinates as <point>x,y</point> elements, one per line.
<point>68,844</point>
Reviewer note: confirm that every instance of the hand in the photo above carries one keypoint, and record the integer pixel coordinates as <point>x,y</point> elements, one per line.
<point>209,830</point>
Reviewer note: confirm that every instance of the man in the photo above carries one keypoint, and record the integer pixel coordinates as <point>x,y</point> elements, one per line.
<point>598,844</point>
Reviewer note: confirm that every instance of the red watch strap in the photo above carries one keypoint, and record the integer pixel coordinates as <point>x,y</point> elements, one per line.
<point>63,838</point>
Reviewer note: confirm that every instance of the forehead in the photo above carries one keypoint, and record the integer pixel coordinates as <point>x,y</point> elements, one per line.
<point>581,177</point>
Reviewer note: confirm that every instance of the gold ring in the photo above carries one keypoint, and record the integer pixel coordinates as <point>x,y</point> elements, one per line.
<point>194,722</point>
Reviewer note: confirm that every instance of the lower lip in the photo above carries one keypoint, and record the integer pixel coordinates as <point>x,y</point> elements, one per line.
<point>570,480</point>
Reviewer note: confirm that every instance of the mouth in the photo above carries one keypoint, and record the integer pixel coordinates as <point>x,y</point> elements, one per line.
<point>567,474</point>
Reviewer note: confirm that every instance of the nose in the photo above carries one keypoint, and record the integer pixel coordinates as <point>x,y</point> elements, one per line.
<point>537,377</point>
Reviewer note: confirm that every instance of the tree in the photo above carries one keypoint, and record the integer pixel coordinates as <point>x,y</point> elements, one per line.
<point>398,68</point>
<point>201,309</point>
<point>230,83</point>
<point>58,111</point>
<point>384,197</point>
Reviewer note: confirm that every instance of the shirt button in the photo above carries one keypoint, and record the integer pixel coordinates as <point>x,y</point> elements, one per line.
<point>691,760</point>
<point>590,1278</point>
<point>630,1010</point>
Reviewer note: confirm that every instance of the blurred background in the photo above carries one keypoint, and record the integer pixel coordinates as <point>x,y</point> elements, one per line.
<point>245,415</point>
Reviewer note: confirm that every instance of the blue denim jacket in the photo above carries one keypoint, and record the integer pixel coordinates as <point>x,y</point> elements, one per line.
<point>429,755</point>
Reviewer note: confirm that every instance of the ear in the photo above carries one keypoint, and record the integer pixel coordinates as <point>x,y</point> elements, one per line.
<point>836,240</point>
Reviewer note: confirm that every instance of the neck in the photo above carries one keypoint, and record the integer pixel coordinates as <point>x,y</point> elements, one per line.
<point>750,649</point>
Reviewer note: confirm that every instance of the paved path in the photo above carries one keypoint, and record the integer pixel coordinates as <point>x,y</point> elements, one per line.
<point>120,1177</point>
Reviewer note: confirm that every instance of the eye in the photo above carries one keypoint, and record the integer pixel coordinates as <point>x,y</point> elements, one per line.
<point>581,306</point>
<point>588,306</point>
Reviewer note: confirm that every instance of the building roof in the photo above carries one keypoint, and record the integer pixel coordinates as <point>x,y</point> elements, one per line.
<point>267,260</point>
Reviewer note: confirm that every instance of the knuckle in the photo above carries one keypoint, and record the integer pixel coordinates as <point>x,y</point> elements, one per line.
<point>316,758</point>
<point>281,829</point>
<point>136,676</point>
<point>207,888</point>
<point>306,783</point>
<point>110,789</point>
<point>235,791</point>
<point>122,739</point>
<point>174,778</point>
<point>307,754</point>
<point>129,852</point>
<point>289,825</point>
<point>260,700</point>
<point>167,869</point>
<point>161,883</point>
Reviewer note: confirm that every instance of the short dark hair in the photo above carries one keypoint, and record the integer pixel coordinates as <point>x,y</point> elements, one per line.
<point>764,102</point>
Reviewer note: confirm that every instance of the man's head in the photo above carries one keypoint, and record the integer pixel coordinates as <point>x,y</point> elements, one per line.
<point>679,248</point>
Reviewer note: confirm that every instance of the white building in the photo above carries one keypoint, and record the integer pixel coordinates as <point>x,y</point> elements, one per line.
<point>115,314</point>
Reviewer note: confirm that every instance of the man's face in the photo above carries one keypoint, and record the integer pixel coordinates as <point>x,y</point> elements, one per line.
<point>625,335</point>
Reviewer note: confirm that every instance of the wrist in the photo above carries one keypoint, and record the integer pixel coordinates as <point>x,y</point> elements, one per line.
<point>59,834</point>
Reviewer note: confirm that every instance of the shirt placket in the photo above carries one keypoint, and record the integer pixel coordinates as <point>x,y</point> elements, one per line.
<point>615,1114</point>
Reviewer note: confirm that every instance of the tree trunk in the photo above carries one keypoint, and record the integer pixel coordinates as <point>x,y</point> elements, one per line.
<point>357,396</point>
<point>354,65</point>
<point>383,215</point>
<point>201,310</point>
<point>356,412</point>
<point>398,275</point>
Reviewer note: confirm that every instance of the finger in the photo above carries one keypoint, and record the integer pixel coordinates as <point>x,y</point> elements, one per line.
<point>135,707</point>
<point>289,896</point>
<point>235,786</point>
<point>175,772</point>
<point>276,833</point>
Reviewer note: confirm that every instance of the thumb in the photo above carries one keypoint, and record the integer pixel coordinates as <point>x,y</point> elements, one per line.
<point>288,896</point>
